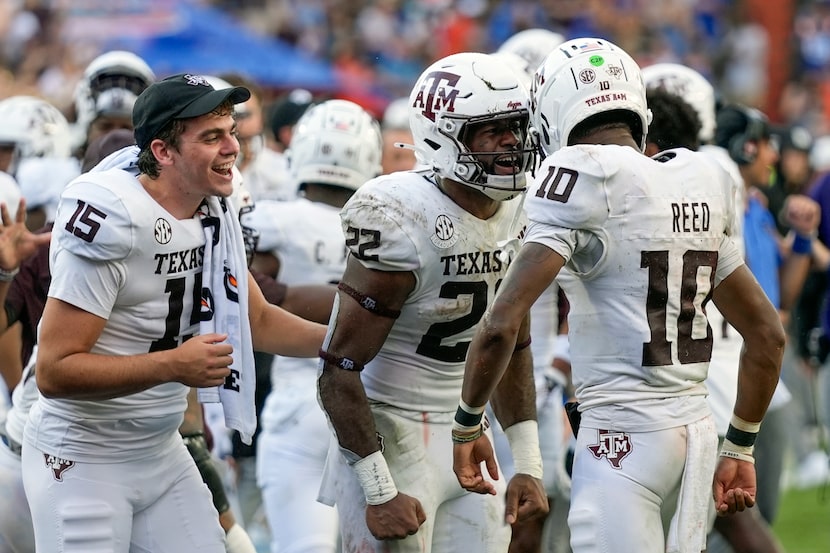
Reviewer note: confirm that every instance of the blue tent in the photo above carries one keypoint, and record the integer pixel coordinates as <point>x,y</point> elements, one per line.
<point>209,41</point>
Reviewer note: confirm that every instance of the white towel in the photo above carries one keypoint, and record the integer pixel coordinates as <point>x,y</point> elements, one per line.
<point>125,159</point>
<point>689,525</point>
<point>225,311</point>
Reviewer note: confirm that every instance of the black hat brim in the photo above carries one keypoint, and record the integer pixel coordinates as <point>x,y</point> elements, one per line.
<point>210,101</point>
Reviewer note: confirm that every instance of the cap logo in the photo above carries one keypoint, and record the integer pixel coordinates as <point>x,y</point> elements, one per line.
<point>196,80</point>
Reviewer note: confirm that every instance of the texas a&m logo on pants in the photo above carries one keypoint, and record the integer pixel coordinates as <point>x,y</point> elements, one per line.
<point>58,465</point>
<point>614,446</point>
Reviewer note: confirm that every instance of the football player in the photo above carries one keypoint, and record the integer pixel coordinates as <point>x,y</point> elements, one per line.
<point>427,252</point>
<point>128,280</point>
<point>640,246</point>
<point>780,264</point>
<point>678,123</point>
<point>526,51</point>
<point>42,161</point>
<point>335,148</point>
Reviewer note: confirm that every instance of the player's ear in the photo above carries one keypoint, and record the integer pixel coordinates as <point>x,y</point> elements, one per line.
<point>162,151</point>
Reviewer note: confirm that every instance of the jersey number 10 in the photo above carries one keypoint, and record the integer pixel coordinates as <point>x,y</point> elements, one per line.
<point>657,351</point>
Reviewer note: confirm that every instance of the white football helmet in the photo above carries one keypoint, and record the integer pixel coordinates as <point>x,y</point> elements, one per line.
<point>456,93</point>
<point>582,78</point>
<point>689,85</point>
<point>531,46</point>
<point>35,127</point>
<point>109,86</point>
<point>337,143</point>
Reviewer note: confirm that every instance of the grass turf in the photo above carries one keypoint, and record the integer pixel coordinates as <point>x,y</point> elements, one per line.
<point>803,523</point>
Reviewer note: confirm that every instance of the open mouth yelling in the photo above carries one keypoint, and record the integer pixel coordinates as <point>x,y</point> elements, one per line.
<point>510,161</point>
<point>224,169</point>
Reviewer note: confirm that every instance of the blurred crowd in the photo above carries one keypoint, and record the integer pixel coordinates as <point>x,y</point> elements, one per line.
<point>388,42</point>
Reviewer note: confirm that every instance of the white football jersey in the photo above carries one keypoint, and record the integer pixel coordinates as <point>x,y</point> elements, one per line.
<point>307,239</point>
<point>118,254</point>
<point>404,222</point>
<point>646,241</point>
<point>305,236</point>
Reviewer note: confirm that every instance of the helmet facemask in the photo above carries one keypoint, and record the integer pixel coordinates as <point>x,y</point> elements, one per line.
<point>479,168</point>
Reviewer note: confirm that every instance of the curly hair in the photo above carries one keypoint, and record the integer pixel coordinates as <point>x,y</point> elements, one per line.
<point>674,124</point>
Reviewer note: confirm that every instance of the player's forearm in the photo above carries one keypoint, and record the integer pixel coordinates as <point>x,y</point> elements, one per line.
<point>344,400</point>
<point>487,360</point>
<point>793,274</point>
<point>310,302</point>
<point>279,332</point>
<point>89,376</point>
<point>514,399</point>
<point>4,313</point>
<point>760,367</point>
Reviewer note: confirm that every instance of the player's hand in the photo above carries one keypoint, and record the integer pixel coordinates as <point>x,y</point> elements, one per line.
<point>16,241</point>
<point>466,463</point>
<point>734,486</point>
<point>203,361</point>
<point>526,498</point>
<point>396,519</point>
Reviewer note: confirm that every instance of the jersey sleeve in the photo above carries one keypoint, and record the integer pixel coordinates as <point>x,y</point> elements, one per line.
<point>93,222</point>
<point>85,283</point>
<point>374,225</point>
<point>569,190</point>
<point>568,205</point>
<point>729,259</point>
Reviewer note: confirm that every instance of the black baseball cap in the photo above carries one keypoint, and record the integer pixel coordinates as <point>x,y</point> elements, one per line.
<point>178,97</point>
<point>288,110</point>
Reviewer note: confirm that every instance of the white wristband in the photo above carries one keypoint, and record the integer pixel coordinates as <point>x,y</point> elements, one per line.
<point>524,444</point>
<point>375,479</point>
<point>746,426</point>
<point>741,453</point>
